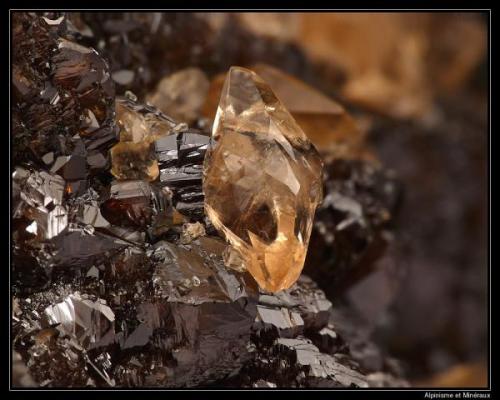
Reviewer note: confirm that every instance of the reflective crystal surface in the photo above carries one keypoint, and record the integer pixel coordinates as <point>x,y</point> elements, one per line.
<point>39,202</point>
<point>140,125</point>
<point>262,180</point>
<point>90,322</point>
<point>326,123</point>
<point>129,204</point>
<point>61,88</point>
<point>185,275</point>
<point>198,322</point>
<point>180,159</point>
<point>119,277</point>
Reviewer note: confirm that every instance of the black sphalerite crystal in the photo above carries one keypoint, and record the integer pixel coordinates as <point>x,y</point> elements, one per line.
<point>61,89</point>
<point>180,158</point>
<point>361,201</point>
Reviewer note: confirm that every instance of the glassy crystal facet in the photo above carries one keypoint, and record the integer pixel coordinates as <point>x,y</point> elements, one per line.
<point>262,180</point>
<point>140,125</point>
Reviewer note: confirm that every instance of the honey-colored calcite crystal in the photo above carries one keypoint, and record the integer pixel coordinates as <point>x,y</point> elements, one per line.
<point>326,123</point>
<point>395,63</point>
<point>262,180</point>
<point>140,125</point>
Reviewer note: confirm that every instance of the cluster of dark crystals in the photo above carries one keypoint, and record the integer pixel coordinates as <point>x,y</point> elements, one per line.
<point>124,283</point>
<point>180,158</point>
<point>295,343</point>
<point>168,316</point>
<point>105,294</point>
<point>63,100</point>
<point>353,224</point>
<point>143,47</point>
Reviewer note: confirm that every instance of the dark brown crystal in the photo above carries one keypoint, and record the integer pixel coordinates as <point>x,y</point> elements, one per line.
<point>61,89</point>
<point>180,158</point>
<point>129,204</point>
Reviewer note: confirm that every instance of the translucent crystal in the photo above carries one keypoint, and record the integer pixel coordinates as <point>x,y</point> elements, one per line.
<point>134,161</point>
<point>191,232</point>
<point>140,125</point>
<point>262,180</point>
<point>327,124</point>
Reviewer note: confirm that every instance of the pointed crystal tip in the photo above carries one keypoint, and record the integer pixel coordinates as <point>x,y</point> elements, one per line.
<point>262,180</point>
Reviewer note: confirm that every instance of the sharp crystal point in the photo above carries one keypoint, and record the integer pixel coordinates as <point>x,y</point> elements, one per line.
<point>262,180</point>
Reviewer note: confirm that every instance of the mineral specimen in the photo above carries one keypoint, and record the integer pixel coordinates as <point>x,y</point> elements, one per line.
<point>65,90</point>
<point>92,323</point>
<point>77,248</point>
<point>196,327</point>
<point>262,180</point>
<point>320,370</point>
<point>294,343</point>
<point>326,123</point>
<point>191,232</point>
<point>140,125</point>
<point>129,204</point>
<point>134,161</point>
<point>289,313</point>
<point>39,201</point>
<point>180,158</point>
<point>119,276</point>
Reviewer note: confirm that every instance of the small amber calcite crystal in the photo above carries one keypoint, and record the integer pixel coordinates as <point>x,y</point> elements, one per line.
<point>262,180</point>
<point>134,161</point>
<point>140,125</point>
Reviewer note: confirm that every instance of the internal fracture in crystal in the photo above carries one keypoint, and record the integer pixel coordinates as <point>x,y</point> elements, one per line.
<point>262,180</point>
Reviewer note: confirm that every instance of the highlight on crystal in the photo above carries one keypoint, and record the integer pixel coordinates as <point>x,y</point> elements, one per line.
<point>239,200</point>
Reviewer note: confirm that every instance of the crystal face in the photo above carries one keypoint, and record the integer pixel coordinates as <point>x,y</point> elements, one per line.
<point>140,125</point>
<point>262,180</point>
<point>326,123</point>
<point>180,158</point>
<point>118,277</point>
<point>91,322</point>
